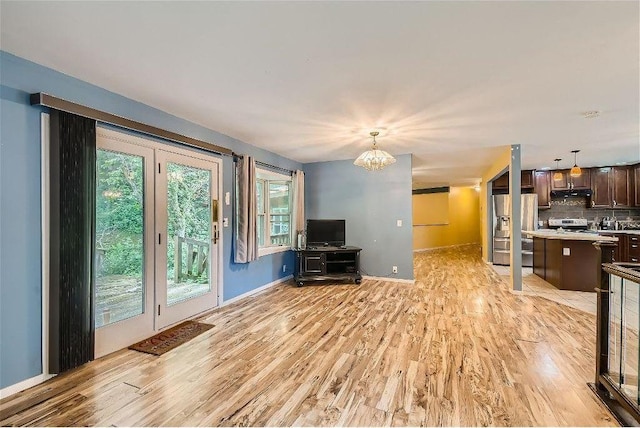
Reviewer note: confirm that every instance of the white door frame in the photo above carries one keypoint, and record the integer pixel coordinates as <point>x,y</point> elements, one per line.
<point>120,334</point>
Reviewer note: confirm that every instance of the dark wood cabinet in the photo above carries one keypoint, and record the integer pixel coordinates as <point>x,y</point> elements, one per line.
<point>633,248</point>
<point>583,181</point>
<point>502,182</point>
<point>560,179</point>
<point>566,182</point>
<point>566,264</point>
<point>539,262</point>
<point>542,185</point>
<point>327,263</point>
<point>601,182</point>
<point>621,186</point>
<point>526,181</point>
<point>613,187</point>
<point>628,249</point>
<point>636,184</point>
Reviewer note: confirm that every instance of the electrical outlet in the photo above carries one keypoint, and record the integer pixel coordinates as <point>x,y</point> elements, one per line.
<point>395,269</point>
<point>399,223</point>
<point>284,268</point>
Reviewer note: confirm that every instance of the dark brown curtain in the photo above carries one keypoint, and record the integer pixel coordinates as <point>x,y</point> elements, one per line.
<point>72,225</point>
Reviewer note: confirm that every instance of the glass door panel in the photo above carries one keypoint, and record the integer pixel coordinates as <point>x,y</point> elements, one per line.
<point>119,245</point>
<point>124,253</point>
<point>189,232</point>
<point>187,220</point>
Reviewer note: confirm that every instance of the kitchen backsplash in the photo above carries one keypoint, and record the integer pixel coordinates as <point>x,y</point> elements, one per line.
<point>577,208</point>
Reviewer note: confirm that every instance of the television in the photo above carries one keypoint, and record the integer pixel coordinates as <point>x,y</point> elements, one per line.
<point>327,233</point>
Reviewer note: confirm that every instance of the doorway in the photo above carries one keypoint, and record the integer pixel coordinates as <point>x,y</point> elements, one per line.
<point>157,238</point>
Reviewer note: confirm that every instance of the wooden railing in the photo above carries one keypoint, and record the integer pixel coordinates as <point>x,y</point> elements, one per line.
<point>197,253</point>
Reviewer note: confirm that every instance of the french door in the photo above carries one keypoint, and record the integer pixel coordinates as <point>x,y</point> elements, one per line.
<point>187,226</point>
<point>156,239</point>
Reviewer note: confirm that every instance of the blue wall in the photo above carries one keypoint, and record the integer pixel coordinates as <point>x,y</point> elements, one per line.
<point>371,203</point>
<point>20,237</point>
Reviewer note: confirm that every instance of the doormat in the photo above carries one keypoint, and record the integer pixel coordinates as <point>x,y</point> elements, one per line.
<point>171,338</point>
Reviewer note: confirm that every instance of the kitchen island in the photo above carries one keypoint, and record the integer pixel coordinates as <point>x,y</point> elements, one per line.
<point>567,260</point>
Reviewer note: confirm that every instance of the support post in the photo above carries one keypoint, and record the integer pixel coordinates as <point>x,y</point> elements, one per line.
<point>515,169</point>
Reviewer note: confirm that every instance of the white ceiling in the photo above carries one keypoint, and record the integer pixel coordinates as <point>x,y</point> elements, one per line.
<point>450,82</point>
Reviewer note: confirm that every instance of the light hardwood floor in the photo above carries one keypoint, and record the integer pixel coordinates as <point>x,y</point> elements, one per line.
<point>456,348</point>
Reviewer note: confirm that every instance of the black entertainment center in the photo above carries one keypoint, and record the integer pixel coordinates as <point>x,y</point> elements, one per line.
<point>326,257</point>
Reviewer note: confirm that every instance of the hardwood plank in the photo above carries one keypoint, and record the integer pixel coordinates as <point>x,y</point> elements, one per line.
<point>456,348</point>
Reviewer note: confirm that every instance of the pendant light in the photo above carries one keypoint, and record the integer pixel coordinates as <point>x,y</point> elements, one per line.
<point>557,175</point>
<point>575,171</point>
<point>374,159</point>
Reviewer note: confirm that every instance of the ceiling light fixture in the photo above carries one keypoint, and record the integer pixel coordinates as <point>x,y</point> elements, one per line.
<point>557,176</point>
<point>374,159</point>
<point>575,171</point>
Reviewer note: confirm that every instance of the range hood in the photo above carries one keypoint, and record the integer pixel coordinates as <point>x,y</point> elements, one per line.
<point>571,193</point>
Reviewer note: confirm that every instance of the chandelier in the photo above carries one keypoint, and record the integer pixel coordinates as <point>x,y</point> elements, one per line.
<point>374,159</point>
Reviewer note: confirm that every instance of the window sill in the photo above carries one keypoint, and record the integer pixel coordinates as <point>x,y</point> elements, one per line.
<point>264,251</point>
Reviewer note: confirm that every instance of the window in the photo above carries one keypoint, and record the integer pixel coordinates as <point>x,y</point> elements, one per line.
<point>273,193</point>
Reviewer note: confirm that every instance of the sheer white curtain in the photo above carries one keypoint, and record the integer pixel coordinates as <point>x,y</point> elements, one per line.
<point>246,242</point>
<point>298,204</point>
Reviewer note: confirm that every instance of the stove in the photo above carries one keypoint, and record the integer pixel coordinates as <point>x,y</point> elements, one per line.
<point>568,223</point>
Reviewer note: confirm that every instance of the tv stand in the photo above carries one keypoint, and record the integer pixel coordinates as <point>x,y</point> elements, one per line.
<point>327,263</point>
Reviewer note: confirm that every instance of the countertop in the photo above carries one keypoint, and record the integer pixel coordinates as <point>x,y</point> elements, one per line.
<point>570,236</point>
<point>626,232</point>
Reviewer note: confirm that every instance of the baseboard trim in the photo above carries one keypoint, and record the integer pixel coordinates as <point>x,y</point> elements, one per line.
<point>382,278</point>
<point>25,384</point>
<point>419,250</point>
<point>256,290</point>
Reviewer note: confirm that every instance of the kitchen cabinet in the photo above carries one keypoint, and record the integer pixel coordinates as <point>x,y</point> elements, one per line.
<point>636,182</point>
<point>502,182</point>
<point>613,187</point>
<point>633,248</point>
<point>567,182</point>
<point>621,187</point>
<point>526,181</point>
<point>628,249</point>
<point>602,195</point>
<point>542,185</point>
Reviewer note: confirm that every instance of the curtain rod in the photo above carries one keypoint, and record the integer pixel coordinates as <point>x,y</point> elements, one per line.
<point>278,168</point>
<point>47,100</point>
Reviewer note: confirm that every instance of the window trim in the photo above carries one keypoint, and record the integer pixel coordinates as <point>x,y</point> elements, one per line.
<point>267,176</point>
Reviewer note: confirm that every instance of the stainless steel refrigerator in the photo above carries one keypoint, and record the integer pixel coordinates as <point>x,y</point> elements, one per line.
<point>501,223</point>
